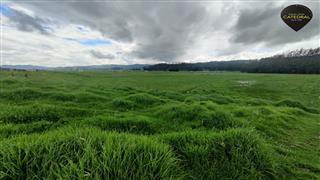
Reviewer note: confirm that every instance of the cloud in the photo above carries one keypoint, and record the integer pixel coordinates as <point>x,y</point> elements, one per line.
<point>152,32</point>
<point>264,25</point>
<point>26,22</point>
<point>99,55</point>
<point>32,48</point>
<point>161,31</point>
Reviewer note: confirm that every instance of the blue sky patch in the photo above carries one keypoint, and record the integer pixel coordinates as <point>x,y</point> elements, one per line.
<point>95,42</point>
<point>6,10</point>
<point>91,42</point>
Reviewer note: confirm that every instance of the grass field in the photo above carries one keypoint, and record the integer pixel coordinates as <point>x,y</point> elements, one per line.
<point>159,125</point>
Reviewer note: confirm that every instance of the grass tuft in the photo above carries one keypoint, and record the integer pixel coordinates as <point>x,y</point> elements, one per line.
<point>220,120</point>
<point>131,123</point>
<point>40,112</point>
<point>22,94</point>
<point>297,104</point>
<point>144,99</point>
<point>123,104</point>
<point>26,114</point>
<point>182,112</point>
<point>233,154</point>
<point>86,154</point>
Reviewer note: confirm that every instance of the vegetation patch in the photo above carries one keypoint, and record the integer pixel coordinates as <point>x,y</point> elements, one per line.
<point>196,98</point>
<point>9,81</point>
<point>9,130</point>
<point>86,154</point>
<point>241,112</point>
<point>144,99</point>
<point>26,114</point>
<point>233,154</point>
<point>22,94</point>
<point>169,95</point>
<point>220,120</point>
<point>216,98</point>
<point>257,102</point>
<point>183,112</point>
<point>129,123</point>
<point>76,112</point>
<point>123,104</point>
<point>220,99</point>
<point>134,101</point>
<point>158,125</point>
<point>62,96</point>
<point>296,104</point>
<point>40,112</point>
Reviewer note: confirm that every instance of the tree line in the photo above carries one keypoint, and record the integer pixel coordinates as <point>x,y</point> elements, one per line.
<point>276,64</point>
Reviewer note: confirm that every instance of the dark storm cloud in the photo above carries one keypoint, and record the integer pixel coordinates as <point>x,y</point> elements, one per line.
<point>171,30</point>
<point>264,25</point>
<point>99,55</point>
<point>161,31</point>
<point>28,23</point>
<point>166,31</point>
<point>105,17</point>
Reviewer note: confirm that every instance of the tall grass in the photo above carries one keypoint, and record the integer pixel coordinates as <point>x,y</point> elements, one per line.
<point>158,125</point>
<point>40,112</point>
<point>86,154</point>
<point>9,130</point>
<point>130,123</point>
<point>233,154</point>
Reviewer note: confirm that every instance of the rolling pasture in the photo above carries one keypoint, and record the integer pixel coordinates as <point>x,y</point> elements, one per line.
<point>159,125</point>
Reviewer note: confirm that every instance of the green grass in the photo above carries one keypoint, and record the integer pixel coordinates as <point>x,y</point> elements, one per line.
<point>233,154</point>
<point>88,154</point>
<point>159,125</point>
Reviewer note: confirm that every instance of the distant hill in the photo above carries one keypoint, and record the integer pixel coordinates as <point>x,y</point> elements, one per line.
<point>111,67</point>
<point>24,67</point>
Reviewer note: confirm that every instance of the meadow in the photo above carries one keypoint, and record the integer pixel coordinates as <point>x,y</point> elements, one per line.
<point>159,125</point>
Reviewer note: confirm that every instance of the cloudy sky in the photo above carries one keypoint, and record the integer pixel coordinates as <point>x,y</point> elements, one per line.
<point>83,32</point>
